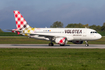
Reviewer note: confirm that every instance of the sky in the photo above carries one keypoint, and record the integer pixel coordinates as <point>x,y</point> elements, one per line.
<point>43,13</point>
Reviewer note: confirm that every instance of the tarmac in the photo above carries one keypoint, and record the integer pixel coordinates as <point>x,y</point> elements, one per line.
<point>74,46</point>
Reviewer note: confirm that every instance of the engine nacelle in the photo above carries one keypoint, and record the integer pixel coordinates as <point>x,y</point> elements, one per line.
<point>61,40</point>
<point>77,42</point>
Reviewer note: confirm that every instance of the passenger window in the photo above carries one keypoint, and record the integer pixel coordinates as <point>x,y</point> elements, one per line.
<point>93,32</point>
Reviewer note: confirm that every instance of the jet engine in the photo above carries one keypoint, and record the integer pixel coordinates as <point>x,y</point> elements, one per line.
<point>77,42</point>
<point>62,41</point>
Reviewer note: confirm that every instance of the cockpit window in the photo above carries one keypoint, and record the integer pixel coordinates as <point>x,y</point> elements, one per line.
<point>93,32</point>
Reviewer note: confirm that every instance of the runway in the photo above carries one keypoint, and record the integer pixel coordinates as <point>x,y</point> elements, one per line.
<point>74,46</point>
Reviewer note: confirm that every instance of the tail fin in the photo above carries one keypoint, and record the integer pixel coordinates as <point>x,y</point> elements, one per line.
<point>21,23</point>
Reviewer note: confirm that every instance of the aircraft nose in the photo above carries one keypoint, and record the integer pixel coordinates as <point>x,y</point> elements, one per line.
<point>99,36</point>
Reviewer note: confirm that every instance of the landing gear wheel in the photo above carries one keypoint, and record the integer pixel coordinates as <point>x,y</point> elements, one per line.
<point>51,44</point>
<point>87,45</point>
<point>62,44</point>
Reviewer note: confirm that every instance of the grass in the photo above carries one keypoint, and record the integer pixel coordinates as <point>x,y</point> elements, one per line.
<point>8,34</point>
<point>20,40</point>
<point>52,59</point>
<point>102,33</point>
<point>100,41</point>
<point>25,40</point>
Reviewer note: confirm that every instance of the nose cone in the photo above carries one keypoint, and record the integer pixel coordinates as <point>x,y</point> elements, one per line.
<point>99,36</point>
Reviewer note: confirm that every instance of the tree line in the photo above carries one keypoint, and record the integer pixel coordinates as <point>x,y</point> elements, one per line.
<point>1,30</point>
<point>58,24</point>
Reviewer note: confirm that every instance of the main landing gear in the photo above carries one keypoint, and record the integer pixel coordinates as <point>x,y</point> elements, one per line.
<point>51,44</point>
<point>62,44</point>
<point>86,43</point>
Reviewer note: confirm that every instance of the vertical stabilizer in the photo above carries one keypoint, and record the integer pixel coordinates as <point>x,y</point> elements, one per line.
<point>21,23</point>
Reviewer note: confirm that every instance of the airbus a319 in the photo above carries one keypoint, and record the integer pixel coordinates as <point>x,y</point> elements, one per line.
<point>58,35</point>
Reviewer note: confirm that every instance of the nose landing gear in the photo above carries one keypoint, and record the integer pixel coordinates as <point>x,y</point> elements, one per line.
<point>86,43</point>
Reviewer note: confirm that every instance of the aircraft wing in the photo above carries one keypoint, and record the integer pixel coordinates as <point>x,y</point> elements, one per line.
<point>45,35</point>
<point>69,38</point>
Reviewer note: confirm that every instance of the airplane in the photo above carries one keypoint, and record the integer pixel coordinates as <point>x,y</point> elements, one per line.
<point>58,35</point>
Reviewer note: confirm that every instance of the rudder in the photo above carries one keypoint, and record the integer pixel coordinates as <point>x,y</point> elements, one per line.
<point>21,23</point>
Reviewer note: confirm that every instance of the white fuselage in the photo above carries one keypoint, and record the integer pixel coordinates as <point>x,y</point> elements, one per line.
<point>72,34</point>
